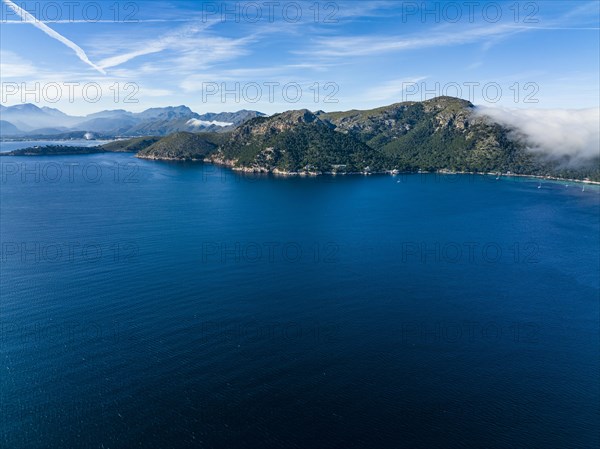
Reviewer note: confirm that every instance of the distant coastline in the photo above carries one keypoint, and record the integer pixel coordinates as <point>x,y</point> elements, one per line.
<point>64,150</point>
<point>282,173</point>
<point>441,135</point>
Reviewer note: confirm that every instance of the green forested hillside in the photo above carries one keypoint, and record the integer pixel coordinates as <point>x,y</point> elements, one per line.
<point>130,145</point>
<point>296,141</point>
<point>183,146</point>
<point>444,133</point>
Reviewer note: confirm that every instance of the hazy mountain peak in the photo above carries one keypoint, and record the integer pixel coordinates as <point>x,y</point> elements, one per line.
<point>25,107</point>
<point>119,122</point>
<point>170,111</point>
<point>54,112</point>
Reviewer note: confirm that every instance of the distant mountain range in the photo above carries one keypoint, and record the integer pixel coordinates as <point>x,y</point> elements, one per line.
<point>30,121</point>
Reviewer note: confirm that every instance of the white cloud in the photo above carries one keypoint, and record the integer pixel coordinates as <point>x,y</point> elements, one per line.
<point>199,123</point>
<point>557,132</point>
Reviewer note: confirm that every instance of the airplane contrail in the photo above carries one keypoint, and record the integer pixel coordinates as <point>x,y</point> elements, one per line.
<point>27,17</point>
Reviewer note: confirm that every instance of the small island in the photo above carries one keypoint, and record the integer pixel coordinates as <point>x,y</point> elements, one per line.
<point>55,150</point>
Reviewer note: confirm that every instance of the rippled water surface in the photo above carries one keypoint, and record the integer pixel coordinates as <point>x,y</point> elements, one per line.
<point>149,304</point>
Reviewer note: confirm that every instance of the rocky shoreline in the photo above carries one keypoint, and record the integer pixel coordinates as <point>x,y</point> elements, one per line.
<point>168,159</point>
<point>393,172</point>
<point>232,164</point>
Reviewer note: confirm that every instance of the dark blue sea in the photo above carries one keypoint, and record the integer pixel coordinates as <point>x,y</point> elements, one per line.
<point>172,305</point>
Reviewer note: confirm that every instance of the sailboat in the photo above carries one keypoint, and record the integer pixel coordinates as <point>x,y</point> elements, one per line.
<point>583,189</point>
<point>540,186</point>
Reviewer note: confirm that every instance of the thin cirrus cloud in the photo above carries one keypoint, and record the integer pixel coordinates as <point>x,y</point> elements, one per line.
<point>29,18</point>
<point>392,90</point>
<point>173,39</point>
<point>349,46</point>
<point>79,21</point>
<point>13,66</point>
<point>369,45</point>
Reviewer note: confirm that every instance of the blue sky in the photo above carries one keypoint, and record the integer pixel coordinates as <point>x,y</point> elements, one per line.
<point>337,55</point>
